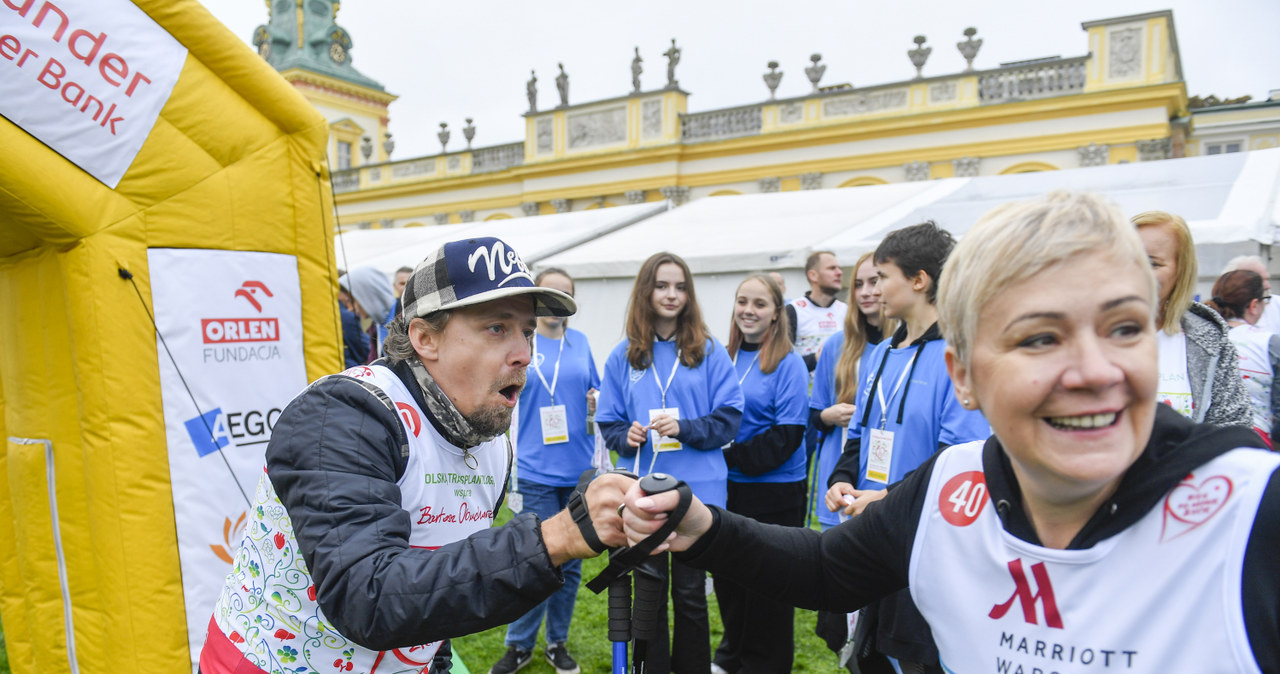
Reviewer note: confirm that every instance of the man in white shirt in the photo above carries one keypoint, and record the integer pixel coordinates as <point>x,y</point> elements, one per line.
<point>818,314</point>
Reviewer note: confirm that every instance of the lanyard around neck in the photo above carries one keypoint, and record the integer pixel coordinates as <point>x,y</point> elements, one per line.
<point>755,357</point>
<point>884,405</point>
<point>555,375</point>
<point>663,388</point>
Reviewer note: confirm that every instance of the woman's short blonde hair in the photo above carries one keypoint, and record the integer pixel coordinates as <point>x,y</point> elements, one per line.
<point>1018,240</point>
<point>1184,282</point>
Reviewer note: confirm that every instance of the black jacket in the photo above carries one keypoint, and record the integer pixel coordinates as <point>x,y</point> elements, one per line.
<point>866,558</point>
<point>334,458</point>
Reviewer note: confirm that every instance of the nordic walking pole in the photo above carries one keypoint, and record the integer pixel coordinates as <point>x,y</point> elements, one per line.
<point>623,560</point>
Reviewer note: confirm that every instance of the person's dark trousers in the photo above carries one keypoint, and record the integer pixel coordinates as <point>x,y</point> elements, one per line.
<point>545,501</point>
<point>758,632</point>
<point>689,650</point>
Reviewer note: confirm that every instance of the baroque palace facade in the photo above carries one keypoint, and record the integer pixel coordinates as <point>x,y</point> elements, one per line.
<point>1123,100</point>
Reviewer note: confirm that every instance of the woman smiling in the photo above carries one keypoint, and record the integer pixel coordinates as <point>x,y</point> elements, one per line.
<point>766,468</point>
<point>1095,528</point>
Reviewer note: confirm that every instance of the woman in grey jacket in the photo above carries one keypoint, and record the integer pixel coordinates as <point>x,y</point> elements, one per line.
<point>1199,373</point>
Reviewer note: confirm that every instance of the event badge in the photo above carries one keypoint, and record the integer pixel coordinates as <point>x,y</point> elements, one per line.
<point>879,455</point>
<point>663,443</point>
<point>555,425</point>
<point>515,501</point>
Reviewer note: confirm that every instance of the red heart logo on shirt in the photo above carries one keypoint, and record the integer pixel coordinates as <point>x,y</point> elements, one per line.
<point>1189,505</point>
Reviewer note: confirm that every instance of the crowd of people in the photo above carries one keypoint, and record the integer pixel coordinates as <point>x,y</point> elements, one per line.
<point>1043,400</point>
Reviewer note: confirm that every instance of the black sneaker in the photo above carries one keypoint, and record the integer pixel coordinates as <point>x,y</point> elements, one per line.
<point>514,660</point>
<point>558,657</point>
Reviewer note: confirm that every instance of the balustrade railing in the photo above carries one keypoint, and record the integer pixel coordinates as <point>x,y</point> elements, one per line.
<point>346,180</point>
<point>1022,82</point>
<point>719,124</point>
<point>497,158</point>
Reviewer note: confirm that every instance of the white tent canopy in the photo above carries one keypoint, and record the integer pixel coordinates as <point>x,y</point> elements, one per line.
<point>534,238</point>
<point>1230,201</point>
<point>732,234</point>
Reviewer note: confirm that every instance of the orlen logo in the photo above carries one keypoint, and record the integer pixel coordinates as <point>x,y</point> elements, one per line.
<point>214,429</point>
<point>234,330</point>
<point>237,340</point>
<point>410,417</point>
<point>249,291</point>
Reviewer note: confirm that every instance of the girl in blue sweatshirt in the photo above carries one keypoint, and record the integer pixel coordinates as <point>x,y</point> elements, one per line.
<point>766,469</point>
<point>669,401</point>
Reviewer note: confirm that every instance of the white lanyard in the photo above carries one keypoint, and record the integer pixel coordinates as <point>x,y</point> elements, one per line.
<point>555,376</point>
<point>661,388</point>
<point>754,358</point>
<point>884,406</point>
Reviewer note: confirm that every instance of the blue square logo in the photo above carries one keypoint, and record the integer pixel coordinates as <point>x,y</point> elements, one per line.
<point>207,434</point>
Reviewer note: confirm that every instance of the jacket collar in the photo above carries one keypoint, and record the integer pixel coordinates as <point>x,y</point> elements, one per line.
<point>934,333</point>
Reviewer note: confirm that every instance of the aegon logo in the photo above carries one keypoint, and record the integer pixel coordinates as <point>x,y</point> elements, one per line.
<point>235,330</point>
<point>215,429</point>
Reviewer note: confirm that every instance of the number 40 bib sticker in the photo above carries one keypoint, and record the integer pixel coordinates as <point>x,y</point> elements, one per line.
<point>963,498</point>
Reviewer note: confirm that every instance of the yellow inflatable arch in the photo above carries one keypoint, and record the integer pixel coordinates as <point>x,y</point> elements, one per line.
<point>91,566</point>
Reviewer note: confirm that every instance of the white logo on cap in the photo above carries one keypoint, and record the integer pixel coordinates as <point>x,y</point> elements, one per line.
<point>499,256</point>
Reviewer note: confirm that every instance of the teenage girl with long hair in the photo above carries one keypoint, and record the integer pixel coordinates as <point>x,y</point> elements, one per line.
<point>835,382</point>
<point>669,401</point>
<point>766,468</point>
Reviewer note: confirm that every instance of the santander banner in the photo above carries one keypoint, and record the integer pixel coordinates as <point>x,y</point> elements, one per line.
<point>232,322</point>
<point>86,77</point>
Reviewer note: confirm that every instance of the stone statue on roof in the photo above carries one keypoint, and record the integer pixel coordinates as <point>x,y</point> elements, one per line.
<point>562,85</point>
<point>673,57</point>
<point>635,72</point>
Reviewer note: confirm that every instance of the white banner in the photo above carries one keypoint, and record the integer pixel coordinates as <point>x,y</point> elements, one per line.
<point>86,77</point>
<point>233,324</point>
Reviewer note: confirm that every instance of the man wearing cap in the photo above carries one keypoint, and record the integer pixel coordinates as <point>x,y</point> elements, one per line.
<point>370,539</point>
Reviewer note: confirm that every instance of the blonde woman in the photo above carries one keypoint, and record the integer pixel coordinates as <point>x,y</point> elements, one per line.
<point>1198,373</point>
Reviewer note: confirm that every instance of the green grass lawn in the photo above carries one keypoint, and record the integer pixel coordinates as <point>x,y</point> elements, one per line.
<point>588,634</point>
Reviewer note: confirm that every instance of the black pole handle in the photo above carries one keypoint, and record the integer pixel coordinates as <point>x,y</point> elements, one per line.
<point>623,560</point>
<point>620,609</point>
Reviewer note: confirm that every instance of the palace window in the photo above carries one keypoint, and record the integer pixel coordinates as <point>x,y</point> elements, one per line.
<point>1223,148</point>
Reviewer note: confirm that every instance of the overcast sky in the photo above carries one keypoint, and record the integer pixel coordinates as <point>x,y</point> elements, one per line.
<point>449,61</point>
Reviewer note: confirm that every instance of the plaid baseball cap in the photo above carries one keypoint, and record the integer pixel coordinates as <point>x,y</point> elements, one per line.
<point>473,271</point>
